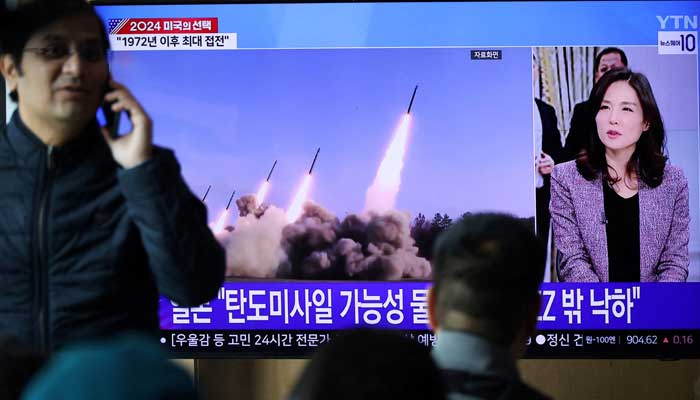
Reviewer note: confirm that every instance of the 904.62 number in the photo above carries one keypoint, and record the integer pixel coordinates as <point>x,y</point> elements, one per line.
<point>648,339</point>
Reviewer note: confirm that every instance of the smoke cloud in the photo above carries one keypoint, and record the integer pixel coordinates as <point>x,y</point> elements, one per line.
<point>248,205</point>
<point>253,247</point>
<point>369,246</point>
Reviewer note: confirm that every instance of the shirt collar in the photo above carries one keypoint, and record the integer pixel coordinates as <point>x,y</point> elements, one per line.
<point>25,142</point>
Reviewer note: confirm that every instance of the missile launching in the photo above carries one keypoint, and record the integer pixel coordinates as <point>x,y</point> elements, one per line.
<point>229,200</point>
<point>270,174</point>
<point>314,161</point>
<point>205,194</point>
<point>412,97</point>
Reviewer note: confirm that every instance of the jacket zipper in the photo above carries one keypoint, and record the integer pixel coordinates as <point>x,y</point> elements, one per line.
<point>43,273</point>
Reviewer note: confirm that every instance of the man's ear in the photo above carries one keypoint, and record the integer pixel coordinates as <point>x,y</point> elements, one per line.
<point>432,309</point>
<point>10,71</point>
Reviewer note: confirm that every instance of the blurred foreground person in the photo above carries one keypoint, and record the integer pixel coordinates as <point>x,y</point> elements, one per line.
<point>128,367</point>
<point>484,304</point>
<point>368,365</point>
<point>93,225</point>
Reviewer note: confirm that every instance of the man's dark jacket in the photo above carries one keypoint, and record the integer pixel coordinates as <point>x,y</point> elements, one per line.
<point>85,246</point>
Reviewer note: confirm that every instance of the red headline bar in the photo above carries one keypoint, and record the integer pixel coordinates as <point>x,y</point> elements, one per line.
<point>131,26</point>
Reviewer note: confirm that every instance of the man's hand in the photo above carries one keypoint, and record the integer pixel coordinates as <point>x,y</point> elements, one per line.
<point>135,147</point>
<point>545,164</point>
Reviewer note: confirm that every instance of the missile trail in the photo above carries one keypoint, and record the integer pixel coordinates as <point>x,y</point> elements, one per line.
<point>205,194</point>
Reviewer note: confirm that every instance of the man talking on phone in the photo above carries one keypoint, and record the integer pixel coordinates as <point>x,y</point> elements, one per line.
<point>92,226</point>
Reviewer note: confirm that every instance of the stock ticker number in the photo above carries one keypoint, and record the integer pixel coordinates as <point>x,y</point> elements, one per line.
<point>683,339</point>
<point>648,339</point>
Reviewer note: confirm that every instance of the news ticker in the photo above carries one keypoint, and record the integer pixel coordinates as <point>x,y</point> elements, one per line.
<point>661,344</point>
<point>543,344</point>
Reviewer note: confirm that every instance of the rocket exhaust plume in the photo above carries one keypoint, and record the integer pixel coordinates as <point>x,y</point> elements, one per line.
<point>220,223</point>
<point>381,195</point>
<point>206,193</point>
<point>262,193</point>
<point>296,208</point>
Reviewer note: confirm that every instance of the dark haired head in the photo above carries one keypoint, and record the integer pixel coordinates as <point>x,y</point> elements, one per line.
<point>648,160</point>
<point>604,52</point>
<point>370,364</point>
<point>488,269</point>
<point>18,25</point>
<point>128,366</point>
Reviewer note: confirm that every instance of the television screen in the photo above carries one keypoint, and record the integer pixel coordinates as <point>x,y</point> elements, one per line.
<point>333,142</point>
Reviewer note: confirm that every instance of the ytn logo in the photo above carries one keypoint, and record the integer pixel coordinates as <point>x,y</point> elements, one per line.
<point>689,22</point>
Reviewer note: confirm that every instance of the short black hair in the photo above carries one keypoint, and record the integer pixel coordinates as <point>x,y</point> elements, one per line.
<point>19,24</point>
<point>370,364</point>
<point>609,50</point>
<point>489,266</point>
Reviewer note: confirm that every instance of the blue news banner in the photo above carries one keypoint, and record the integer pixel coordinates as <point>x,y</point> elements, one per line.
<point>291,318</point>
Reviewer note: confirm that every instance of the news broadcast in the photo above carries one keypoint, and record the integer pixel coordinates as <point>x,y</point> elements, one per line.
<point>333,142</point>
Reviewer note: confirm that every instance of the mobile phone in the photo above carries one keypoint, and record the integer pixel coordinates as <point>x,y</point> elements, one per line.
<point>110,118</point>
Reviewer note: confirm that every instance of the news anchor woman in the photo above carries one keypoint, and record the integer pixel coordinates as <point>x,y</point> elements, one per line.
<point>620,212</point>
